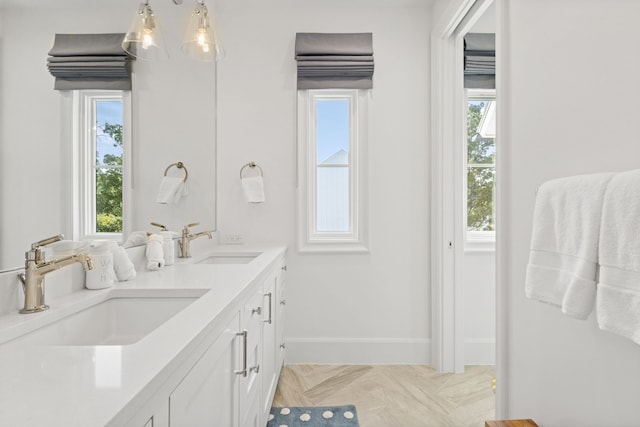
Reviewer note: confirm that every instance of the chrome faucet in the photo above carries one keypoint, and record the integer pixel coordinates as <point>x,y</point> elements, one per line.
<point>187,238</point>
<point>36,267</point>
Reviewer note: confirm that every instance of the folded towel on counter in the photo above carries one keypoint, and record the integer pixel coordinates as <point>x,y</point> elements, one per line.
<point>154,252</point>
<point>137,238</point>
<point>564,243</point>
<point>122,265</point>
<point>618,299</point>
<point>253,187</point>
<point>172,189</point>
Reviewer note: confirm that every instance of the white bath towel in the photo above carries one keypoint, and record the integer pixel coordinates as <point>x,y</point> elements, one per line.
<point>564,243</point>
<point>618,299</point>
<point>253,187</point>
<point>172,189</point>
<point>154,252</point>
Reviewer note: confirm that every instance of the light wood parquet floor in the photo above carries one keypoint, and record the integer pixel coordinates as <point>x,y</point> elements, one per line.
<point>393,395</point>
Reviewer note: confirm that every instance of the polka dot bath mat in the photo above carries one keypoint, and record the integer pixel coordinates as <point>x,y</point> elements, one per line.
<point>315,416</point>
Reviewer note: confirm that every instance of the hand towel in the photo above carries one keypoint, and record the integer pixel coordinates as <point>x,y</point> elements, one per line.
<point>172,189</point>
<point>618,299</point>
<point>154,252</point>
<point>253,187</point>
<point>564,243</point>
<point>122,264</point>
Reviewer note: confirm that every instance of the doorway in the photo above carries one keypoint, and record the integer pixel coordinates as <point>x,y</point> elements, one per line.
<point>463,236</point>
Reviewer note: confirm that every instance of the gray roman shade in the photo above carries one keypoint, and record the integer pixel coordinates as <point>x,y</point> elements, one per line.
<point>480,61</point>
<point>334,61</point>
<point>89,61</point>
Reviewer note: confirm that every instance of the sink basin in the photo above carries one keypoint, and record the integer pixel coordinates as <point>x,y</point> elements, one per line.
<point>239,258</point>
<point>122,319</point>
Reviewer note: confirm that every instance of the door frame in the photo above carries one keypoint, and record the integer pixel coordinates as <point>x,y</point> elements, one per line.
<point>447,190</point>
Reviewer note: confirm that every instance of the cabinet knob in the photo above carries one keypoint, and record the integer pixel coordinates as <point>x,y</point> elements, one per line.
<point>257,310</point>
<point>284,268</point>
<point>283,302</point>
<point>282,345</point>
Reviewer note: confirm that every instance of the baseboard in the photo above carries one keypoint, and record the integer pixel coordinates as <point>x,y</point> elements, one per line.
<point>358,351</point>
<point>480,352</point>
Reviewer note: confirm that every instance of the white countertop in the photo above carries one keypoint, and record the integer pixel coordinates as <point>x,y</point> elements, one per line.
<point>98,385</point>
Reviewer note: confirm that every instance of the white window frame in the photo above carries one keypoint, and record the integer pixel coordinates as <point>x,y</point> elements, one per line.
<point>83,215</point>
<point>309,238</point>
<point>476,240</point>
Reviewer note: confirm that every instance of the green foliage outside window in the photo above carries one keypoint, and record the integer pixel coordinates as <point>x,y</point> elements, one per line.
<point>109,186</point>
<point>480,173</point>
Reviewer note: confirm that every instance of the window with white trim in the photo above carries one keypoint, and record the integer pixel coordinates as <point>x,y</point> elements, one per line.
<point>101,151</point>
<point>480,154</point>
<point>332,208</point>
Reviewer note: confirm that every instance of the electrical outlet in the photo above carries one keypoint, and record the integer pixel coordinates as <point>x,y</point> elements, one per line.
<point>233,239</point>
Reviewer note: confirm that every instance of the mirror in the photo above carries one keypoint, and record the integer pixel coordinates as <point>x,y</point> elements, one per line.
<point>173,109</point>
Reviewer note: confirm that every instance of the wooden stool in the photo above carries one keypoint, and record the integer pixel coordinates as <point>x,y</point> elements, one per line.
<point>510,423</point>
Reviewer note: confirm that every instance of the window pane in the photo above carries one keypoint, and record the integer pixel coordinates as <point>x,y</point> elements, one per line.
<point>481,130</point>
<point>332,172</point>
<point>108,132</point>
<point>108,200</point>
<point>333,199</point>
<point>332,131</point>
<point>108,139</point>
<point>481,153</point>
<point>480,191</point>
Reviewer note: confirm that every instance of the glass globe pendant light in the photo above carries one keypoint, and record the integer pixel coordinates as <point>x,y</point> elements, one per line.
<point>200,40</point>
<point>144,39</point>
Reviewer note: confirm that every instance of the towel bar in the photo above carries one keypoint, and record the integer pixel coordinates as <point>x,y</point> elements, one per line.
<point>251,165</point>
<point>179,165</point>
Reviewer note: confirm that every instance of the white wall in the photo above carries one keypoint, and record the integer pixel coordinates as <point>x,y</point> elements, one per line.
<point>487,22</point>
<point>571,100</point>
<point>341,308</point>
<point>173,113</point>
<point>29,136</point>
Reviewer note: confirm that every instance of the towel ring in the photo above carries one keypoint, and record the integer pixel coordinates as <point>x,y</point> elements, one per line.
<point>251,165</point>
<point>179,165</point>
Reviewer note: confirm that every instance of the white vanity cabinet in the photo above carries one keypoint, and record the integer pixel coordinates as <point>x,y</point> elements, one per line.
<point>224,386</point>
<point>233,382</point>
<point>188,369</point>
